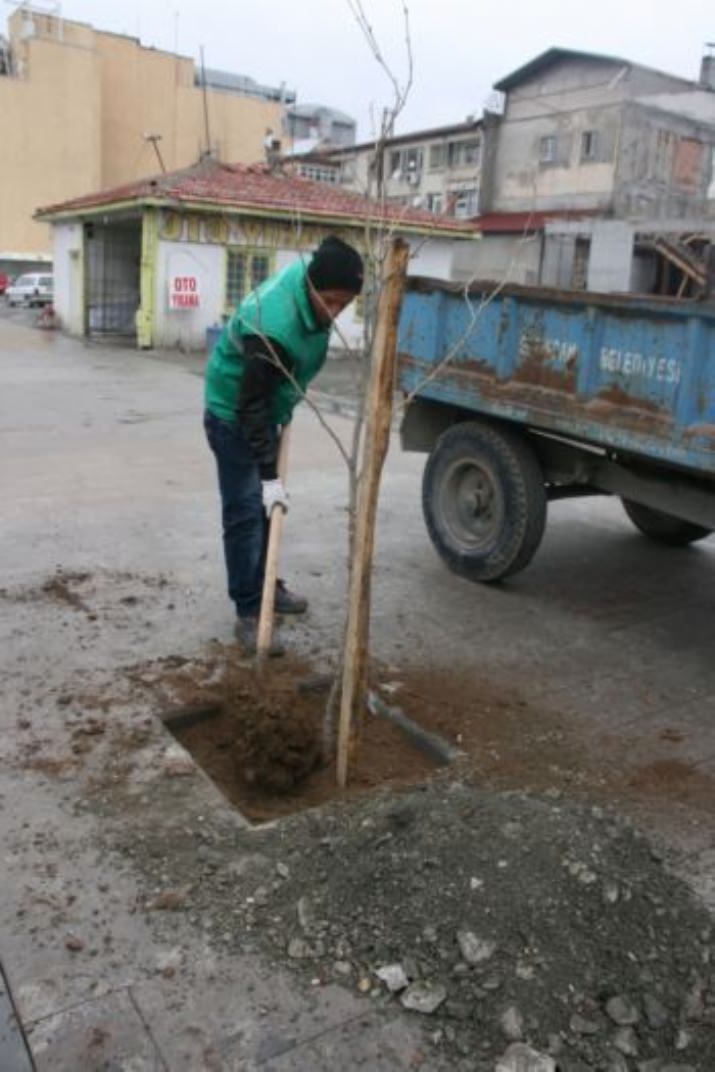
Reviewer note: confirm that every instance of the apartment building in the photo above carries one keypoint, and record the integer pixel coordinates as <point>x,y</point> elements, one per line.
<point>602,175</point>
<point>437,169</point>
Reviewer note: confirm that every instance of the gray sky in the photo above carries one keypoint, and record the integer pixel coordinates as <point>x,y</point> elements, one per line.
<point>460,47</point>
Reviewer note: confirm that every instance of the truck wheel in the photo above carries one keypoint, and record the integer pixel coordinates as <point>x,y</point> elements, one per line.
<point>484,501</point>
<point>663,528</point>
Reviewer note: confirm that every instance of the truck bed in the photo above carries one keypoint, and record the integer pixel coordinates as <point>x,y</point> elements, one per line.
<point>630,373</point>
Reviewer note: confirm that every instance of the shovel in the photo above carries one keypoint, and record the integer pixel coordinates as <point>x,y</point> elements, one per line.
<point>275,532</point>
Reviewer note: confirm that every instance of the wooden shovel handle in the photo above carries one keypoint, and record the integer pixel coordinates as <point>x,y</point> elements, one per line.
<point>275,533</point>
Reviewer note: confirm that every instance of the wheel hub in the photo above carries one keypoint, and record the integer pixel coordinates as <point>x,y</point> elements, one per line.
<point>471,504</point>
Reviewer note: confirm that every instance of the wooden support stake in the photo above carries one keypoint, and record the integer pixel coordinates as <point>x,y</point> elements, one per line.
<point>275,533</point>
<point>377,437</point>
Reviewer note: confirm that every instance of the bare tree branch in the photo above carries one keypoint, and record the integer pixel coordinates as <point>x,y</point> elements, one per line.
<point>400,92</point>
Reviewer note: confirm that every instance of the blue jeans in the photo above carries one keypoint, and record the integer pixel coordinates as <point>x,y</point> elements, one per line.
<point>245,527</point>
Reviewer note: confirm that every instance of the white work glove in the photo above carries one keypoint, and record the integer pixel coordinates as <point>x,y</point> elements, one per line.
<point>274,494</point>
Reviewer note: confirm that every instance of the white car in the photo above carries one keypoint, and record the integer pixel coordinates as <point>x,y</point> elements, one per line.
<point>33,288</point>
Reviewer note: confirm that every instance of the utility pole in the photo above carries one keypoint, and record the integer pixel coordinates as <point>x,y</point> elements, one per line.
<point>206,105</point>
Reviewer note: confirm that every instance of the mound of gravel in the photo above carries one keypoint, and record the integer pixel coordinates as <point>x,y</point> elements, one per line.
<point>530,935</point>
<point>501,920</point>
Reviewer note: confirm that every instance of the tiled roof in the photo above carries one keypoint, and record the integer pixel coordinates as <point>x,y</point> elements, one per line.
<point>254,187</point>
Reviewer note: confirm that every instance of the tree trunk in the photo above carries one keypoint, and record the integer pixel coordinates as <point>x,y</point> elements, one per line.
<point>376,442</point>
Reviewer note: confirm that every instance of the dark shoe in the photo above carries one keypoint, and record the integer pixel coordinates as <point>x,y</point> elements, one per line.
<point>246,632</point>
<point>287,602</point>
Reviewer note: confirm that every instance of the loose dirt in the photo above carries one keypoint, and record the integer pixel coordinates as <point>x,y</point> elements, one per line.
<point>63,587</point>
<point>75,589</point>
<point>258,734</point>
<point>259,738</point>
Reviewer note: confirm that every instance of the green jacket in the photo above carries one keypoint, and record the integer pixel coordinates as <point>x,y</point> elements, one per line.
<point>280,310</point>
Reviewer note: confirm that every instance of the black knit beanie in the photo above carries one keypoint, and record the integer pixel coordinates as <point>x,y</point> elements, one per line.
<point>336,266</point>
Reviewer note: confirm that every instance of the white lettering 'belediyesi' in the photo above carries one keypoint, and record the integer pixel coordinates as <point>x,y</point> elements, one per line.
<point>645,366</point>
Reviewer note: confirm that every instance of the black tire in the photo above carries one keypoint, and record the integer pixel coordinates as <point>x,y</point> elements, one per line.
<point>484,501</point>
<point>663,528</point>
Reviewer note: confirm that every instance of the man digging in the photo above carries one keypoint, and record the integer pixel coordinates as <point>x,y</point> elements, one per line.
<point>272,347</point>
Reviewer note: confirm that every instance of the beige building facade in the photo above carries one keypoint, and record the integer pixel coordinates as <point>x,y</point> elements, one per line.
<point>77,106</point>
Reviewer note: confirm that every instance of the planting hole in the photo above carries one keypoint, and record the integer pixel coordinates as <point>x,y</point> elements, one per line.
<point>260,741</point>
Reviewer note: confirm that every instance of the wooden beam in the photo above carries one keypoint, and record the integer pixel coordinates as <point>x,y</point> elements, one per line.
<point>683,259</point>
<point>377,437</point>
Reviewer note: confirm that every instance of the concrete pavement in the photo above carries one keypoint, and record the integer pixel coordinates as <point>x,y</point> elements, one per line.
<point>105,473</point>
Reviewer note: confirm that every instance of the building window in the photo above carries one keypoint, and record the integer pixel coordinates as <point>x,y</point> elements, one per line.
<point>412,160</point>
<point>466,203</point>
<point>437,156</point>
<point>245,270</point>
<point>434,203</point>
<point>319,173</point>
<point>547,149</point>
<point>464,153</point>
<point>589,145</point>
<point>405,162</point>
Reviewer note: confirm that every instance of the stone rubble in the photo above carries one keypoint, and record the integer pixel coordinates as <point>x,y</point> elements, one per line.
<point>535,967</point>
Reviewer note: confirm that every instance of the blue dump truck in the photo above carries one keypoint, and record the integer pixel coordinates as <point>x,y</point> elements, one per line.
<point>524,395</point>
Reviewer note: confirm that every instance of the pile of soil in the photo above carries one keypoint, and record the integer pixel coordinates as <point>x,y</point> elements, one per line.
<point>532,920</point>
<point>498,918</point>
<point>275,740</point>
